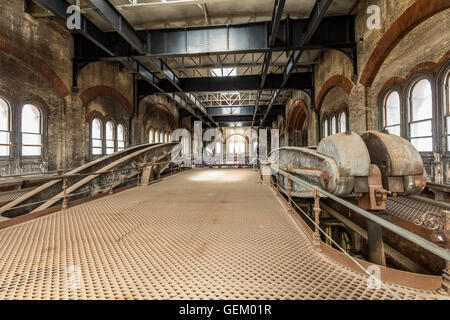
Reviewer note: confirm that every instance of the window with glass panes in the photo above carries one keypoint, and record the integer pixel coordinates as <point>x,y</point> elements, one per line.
<point>31,130</point>
<point>421,116</point>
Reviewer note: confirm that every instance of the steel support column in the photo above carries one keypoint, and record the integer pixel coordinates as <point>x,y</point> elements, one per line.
<point>318,12</point>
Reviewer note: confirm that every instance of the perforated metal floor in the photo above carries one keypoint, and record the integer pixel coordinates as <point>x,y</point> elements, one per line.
<point>203,234</point>
<point>411,209</point>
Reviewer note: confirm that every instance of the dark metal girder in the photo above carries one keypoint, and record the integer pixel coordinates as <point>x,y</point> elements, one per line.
<point>88,29</point>
<point>110,14</point>
<point>242,110</point>
<point>300,81</point>
<point>103,41</point>
<point>241,118</point>
<point>334,32</point>
<point>274,26</point>
<point>242,124</point>
<point>315,18</point>
<point>250,37</point>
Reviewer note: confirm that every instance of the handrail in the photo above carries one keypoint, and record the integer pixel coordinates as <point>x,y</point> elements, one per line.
<point>110,184</point>
<point>421,242</point>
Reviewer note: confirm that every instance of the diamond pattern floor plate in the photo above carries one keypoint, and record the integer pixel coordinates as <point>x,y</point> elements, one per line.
<point>202,234</point>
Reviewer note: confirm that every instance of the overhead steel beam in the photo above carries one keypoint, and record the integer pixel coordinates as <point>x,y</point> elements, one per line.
<point>318,13</point>
<point>107,42</point>
<point>113,17</point>
<point>110,14</point>
<point>274,26</point>
<point>87,28</point>
<point>243,110</point>
<point>241,124</point>
<point>299,81</point>
<point>315,18</point>
<point>333,32</point>
<point>307,64</point>
<point>250,37</point>
<point>240,118</point>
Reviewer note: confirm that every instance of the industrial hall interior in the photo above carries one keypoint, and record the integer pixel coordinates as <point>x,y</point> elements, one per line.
<point>225,150</point>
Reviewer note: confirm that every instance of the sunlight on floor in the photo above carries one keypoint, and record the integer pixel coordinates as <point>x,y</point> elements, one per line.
<point>221,176</point>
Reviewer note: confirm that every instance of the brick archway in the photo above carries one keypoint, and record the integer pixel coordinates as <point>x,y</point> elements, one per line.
<point>420,11</point>
<point>334,81</point>
<point>90,94</point>
<point>236,134</point>
<point>157,107</point>
<point>297,115</point>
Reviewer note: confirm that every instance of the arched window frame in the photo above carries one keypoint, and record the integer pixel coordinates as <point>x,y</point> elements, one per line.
<point>6,133</point>
<point>333,121</point>
<point>39,136</point>
<point>94,146</point>
<point>157,135</point>
<point>151,135</point>
<point>121,144</point>
<point>384,96</point>
<point>408,90</point>
<point>344,111</point>
<point>443,103</point>
<point>110,144</point>
<point>325,127</point>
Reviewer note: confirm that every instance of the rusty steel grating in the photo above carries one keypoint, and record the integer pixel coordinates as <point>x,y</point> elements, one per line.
<point>12,195</point>
<point>203,234</point>
<point>411,209</point>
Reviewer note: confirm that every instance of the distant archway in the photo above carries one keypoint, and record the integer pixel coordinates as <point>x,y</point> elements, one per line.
<point>93,92</point>
<point>297,115</point>
<point>334,81</point>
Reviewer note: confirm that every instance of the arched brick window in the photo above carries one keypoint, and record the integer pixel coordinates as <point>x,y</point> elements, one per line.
<point>31,120</point>
<point>96,136</point>
<point>5,128</point>
<point>109,137</point>
<point>447,108</point>
<point>120,137</point>
<point>325,128</point>
<point>333,125</point>
<point>342,122</point>
<point>421,115</point>
<point>151,136</point>
<point>391,113</point>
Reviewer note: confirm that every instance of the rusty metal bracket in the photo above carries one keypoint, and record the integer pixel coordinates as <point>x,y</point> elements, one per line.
<point>376,198</point>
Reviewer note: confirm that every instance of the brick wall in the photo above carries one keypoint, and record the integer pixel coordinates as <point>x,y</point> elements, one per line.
<point>410,51</point>
<point>36,67</point>
<point>414,36</point>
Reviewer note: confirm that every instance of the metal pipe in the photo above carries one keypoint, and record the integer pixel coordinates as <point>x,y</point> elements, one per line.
<point>425,244</point>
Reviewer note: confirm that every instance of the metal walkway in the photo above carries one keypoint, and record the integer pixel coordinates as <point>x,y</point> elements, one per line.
<point>202,234</point>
